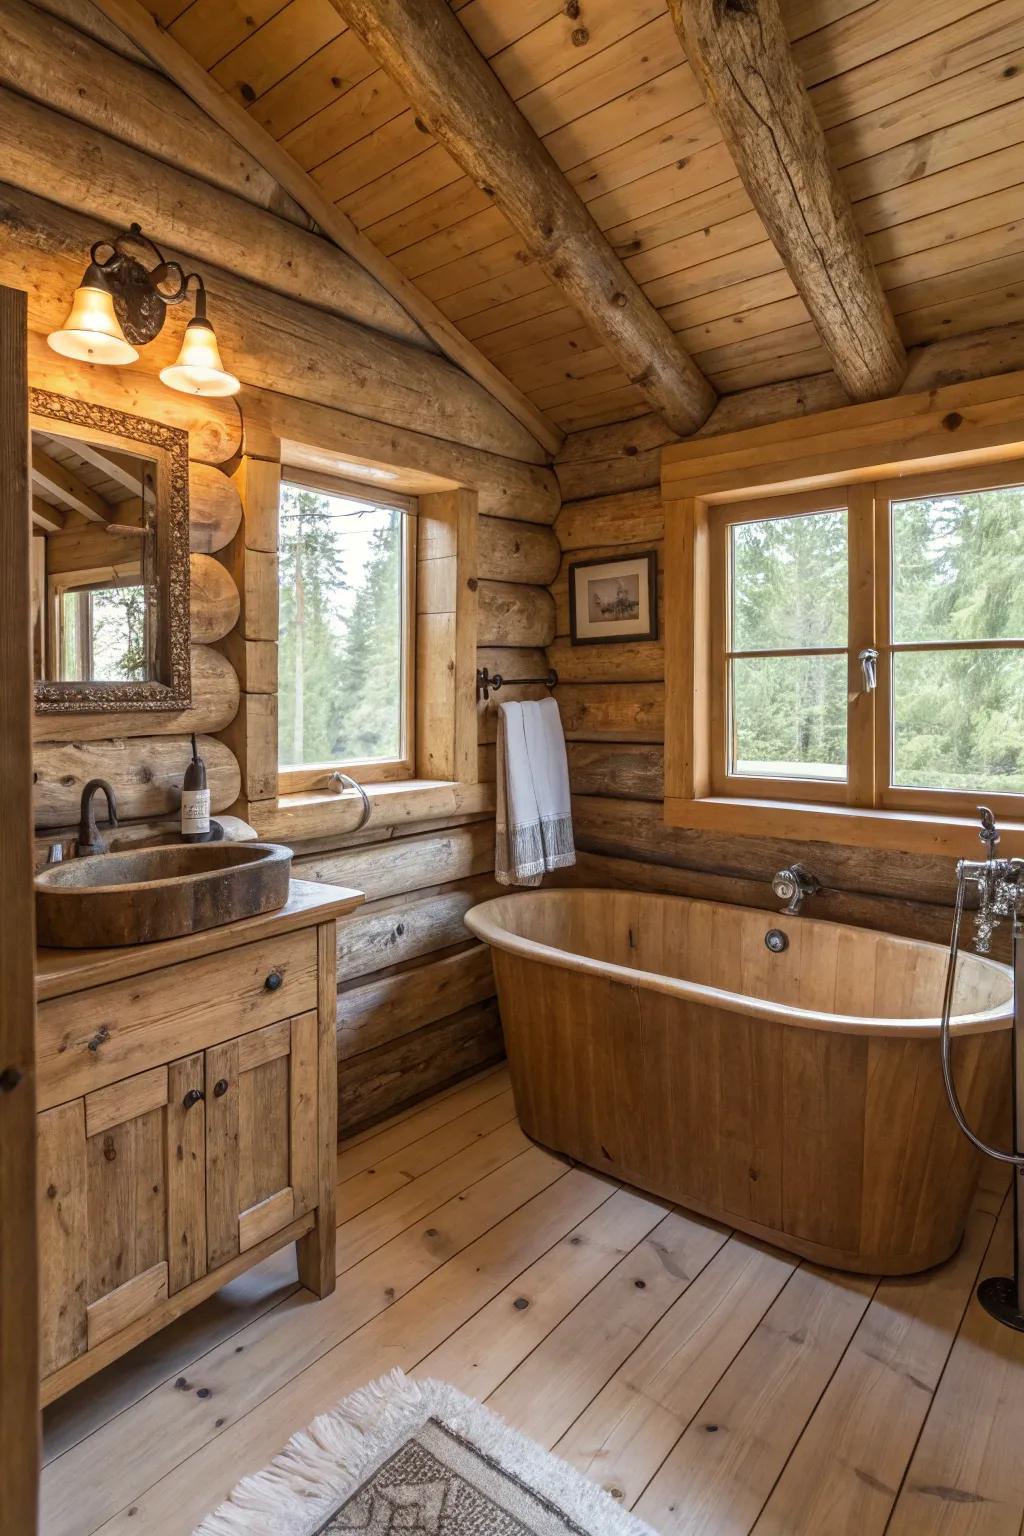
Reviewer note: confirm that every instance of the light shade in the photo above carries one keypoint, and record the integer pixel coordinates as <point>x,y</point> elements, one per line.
<point>199,370</point>
<point>91,333</point>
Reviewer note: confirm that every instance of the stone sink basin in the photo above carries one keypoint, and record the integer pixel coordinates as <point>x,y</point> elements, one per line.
<point>147,894</point>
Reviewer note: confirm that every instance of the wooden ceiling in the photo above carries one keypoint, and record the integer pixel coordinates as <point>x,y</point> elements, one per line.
<point>922,105</point>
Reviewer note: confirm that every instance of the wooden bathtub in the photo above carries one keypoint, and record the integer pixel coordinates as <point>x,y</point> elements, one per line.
<point>797,1096</point>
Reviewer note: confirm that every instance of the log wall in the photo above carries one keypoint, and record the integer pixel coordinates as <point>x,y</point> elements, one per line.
<point>612,697</point>
<point>416,1007</point>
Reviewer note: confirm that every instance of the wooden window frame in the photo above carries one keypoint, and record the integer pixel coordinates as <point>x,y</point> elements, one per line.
<point>315,776</point>
<point>966,436</point>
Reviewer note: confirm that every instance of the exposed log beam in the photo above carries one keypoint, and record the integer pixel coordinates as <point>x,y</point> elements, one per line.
<point>127,472</point>
<point>58,480</point>
<point>428,53</point>
<point>49,519</point>
<point>741,55</point>
<point>273,343</point>
<point>137,24</point>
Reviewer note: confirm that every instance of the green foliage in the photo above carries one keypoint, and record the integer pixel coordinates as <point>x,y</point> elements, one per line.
<point>339,656</point>
<point>789,592</point>
<point>958,575</point>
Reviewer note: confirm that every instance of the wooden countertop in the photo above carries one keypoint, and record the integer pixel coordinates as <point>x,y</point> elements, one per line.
<point>59,971</point>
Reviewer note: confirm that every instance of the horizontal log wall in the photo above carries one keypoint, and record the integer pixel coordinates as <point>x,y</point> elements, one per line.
<point>613,709</point>
<point>98,138</point>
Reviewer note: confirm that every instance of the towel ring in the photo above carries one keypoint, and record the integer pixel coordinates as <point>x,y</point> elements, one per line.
<point>337,782</point>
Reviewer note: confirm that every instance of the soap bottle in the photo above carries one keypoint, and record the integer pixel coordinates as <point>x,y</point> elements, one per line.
<point>195,801</point>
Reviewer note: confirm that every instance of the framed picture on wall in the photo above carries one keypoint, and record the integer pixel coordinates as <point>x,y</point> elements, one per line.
<point>613,600</point>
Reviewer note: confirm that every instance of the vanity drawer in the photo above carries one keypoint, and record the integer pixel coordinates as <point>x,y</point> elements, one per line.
<point>88,1039</point>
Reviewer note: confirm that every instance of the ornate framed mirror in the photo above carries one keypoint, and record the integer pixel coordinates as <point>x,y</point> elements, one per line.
<point>110,567</point>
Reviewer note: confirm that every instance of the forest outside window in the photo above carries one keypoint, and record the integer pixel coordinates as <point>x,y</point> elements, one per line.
<point>867,645</point>
<point>346,567</point>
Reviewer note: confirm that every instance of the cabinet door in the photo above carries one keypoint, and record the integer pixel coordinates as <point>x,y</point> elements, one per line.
<point>121,1205</point>
<point>261,1135</point>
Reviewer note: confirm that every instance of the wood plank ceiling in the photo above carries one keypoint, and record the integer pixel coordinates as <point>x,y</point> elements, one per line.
<point>922,106</point>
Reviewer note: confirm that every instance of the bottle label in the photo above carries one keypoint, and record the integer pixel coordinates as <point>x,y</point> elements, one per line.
<point>195,810</point>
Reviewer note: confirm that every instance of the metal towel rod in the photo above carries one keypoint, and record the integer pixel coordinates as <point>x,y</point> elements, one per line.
<point>486,681</point>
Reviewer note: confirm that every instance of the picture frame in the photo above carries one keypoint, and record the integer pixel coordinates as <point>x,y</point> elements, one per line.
<point>611,600</point>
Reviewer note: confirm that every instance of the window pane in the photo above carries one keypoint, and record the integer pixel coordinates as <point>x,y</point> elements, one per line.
<point>789,716</point>
<point>789,580</point>
<point>340,651</point>
<point>958,720</point>
<point>104,635</point>
<point>958,566</point>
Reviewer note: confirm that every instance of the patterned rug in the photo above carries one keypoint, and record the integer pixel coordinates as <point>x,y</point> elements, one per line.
<point>405,1458</point>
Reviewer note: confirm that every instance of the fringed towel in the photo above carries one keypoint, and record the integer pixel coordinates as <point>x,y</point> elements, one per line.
<point>533,832</point>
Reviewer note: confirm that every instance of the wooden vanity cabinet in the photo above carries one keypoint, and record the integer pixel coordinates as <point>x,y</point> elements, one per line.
<point>158,1185</point>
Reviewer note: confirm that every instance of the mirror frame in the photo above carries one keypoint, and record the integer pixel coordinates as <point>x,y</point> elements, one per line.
<point>167,447</point>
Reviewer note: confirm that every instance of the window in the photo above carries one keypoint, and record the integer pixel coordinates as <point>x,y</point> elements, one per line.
<point>346,567</point>
<point>867,644</point>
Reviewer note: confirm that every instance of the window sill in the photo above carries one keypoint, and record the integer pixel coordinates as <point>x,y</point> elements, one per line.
<point>852,826</point>
<point>319,813</point>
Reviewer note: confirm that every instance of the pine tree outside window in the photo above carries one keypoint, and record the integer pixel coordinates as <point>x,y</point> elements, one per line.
<point>346,565</point>
<point>867,644</point>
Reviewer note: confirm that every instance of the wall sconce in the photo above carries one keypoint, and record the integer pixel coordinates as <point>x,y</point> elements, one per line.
<point>121,304</point>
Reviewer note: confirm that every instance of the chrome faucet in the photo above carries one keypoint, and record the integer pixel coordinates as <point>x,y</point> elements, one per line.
<point>89,839</point>
<point>793,886</point>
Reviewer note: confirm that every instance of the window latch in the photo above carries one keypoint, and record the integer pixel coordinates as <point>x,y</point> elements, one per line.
<point>868,659</point>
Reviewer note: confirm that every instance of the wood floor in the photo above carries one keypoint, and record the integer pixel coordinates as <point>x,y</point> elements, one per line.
<point>715,1385</point>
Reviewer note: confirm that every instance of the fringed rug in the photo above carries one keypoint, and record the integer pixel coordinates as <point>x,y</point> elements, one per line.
<point>408,1458</point>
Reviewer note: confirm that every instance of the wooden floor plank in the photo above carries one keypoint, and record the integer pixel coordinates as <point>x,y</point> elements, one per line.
<point>405,1129</point>
<point>631,1426</point>
<point>553,1385</point>
<point>966,1477</point>
<point>713,1383</point>
<point>387,1174</point>
<point>175,1421</point>
<point>724,1466</point>
<point>500,1336</point>
<point>254,1428</point>
<point>846,1471</point>
<point>371,1228</point>
<point>88,1407</point>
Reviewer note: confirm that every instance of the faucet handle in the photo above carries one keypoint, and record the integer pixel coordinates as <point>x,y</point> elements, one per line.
<point>989,834</point>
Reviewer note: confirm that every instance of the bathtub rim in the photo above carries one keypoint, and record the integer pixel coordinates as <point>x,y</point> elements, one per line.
<point>482,921</point>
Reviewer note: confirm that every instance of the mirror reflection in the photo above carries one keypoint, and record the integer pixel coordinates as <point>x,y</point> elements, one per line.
<point>94,575</point>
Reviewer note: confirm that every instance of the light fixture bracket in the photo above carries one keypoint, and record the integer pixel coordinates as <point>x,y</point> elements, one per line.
<point>140,293</point>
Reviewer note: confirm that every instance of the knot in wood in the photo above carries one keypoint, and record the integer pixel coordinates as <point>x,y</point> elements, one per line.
<point>952,421</point>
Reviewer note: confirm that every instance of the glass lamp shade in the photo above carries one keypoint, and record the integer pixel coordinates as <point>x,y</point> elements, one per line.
<point>91,333</point>
<point>199,370</point>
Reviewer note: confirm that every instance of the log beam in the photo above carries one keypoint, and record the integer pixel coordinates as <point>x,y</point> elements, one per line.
<point>136,23</point>
<point>425,49</point>
<point>740,53</point>
<point>60,481</point>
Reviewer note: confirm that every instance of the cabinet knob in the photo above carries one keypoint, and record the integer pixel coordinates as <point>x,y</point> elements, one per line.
<point>220,1087</point>
<point>273,981</point>
<point>192,1097</point>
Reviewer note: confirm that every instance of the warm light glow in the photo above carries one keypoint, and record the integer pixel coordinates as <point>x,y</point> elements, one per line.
<point>91,332</point>
<point>199,370</point>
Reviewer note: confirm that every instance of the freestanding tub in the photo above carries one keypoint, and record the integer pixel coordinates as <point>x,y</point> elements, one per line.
<point>797,1096</point>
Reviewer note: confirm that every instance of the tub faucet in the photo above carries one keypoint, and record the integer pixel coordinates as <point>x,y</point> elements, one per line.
<point>89,839</point>
<point>793,886</point>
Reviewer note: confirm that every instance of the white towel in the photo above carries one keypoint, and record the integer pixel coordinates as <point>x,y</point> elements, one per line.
<point>533,830</point>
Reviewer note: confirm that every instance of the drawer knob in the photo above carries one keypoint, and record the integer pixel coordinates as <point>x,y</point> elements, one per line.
<point>274,981</point>
<point>220,1087</point>
<point>193,1096</point>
